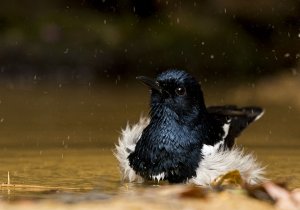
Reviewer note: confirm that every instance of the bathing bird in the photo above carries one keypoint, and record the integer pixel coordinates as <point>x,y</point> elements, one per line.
<point>182,140</point>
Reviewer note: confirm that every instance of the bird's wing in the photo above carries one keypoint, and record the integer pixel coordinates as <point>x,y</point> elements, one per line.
<point>238,119</point>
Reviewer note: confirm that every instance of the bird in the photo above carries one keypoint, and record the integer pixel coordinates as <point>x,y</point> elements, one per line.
<point>184,141</point>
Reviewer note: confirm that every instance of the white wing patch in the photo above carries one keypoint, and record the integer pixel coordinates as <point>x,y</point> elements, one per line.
<point>226,127</point>
<point>210,149</point>
<point>126,145</point>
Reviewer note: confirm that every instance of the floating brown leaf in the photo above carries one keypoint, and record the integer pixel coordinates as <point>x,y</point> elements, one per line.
<point>232,179</point>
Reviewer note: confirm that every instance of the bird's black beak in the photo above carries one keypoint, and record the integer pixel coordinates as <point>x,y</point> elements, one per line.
<point>150,83</point>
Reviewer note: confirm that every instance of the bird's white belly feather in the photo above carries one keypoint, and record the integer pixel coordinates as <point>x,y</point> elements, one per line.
<point>217,161</point>
<point>126,145</point>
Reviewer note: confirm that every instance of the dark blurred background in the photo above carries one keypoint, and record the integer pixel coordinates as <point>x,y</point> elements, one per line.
<point>91,41</point>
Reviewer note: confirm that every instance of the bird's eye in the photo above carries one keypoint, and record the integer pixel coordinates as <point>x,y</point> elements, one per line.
<point>180,91</point>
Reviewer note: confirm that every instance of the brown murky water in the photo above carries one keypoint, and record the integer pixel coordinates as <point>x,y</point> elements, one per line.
<point>64,136</point>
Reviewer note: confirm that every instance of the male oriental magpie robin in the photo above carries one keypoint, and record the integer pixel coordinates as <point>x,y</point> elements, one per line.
<point>183,140</point>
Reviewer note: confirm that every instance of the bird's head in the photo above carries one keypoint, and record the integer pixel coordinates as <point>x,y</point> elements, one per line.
<point>177,91</point>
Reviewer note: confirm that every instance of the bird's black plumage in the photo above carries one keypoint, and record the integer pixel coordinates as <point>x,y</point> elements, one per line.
<point>180,125</point>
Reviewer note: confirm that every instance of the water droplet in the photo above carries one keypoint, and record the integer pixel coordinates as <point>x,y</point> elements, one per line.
<point>212,56</point>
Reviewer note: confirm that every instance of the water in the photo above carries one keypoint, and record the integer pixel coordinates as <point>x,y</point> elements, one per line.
<point>64,137</point>
<point>80,170</point>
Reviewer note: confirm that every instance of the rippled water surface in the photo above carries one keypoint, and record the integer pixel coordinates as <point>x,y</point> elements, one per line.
<point>64,137</point>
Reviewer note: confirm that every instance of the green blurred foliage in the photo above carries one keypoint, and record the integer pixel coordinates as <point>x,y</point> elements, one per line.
<point>90,40</point>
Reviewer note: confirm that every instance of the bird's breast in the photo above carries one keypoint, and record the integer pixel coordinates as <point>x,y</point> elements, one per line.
<point>169,150</point>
